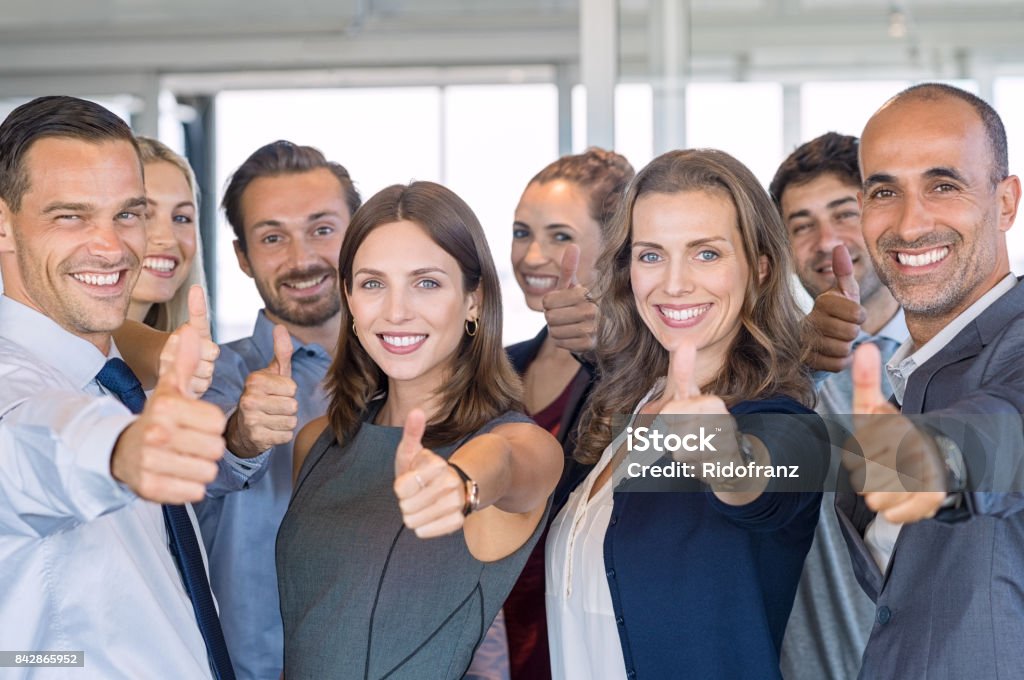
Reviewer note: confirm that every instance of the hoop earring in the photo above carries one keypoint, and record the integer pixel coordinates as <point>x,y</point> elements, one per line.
<point>476,327</point>
<point>354,331</point>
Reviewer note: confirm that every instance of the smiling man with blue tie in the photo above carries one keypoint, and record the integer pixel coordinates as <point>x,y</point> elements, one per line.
<point>97,551</point>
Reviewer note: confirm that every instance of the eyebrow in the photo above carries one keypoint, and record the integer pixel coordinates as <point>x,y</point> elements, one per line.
<point>931,173</point>
<point>945,172</point>
<point>416,272</point>
<point>553,225</point>
<point>182,204</point>
<point>58,206</point>
<point>272,223</point>
<point>691,244</point>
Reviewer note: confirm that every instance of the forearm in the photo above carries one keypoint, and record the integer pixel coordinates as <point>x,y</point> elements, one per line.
<point>55,452</point>
<point>515,473</point>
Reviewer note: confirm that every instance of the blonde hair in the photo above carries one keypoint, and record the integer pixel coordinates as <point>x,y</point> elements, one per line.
<point>166,316</point>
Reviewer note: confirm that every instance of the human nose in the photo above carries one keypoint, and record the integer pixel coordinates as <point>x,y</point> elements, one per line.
<point>107,242</point>
<point>828,239</point>
<point>914,219</point>
<point>397,307</point>
<point>536,255</point>
<point>301,253</point>
<point>159,233</point>
<point>679,279</point>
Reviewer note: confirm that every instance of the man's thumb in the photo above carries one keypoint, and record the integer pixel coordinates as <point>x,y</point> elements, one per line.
<point>842,269</point>
<point>282,362</point>
<point>867,379</point>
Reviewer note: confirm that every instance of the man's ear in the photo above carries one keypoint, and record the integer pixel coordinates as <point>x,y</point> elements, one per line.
<point>243,259</point>
<point>6,228</point>
<point>1009,201</point>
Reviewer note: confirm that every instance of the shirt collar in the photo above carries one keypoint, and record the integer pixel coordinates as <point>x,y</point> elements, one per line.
<point>42,337</point>
<point>908,358</point>
<point>263,338</point>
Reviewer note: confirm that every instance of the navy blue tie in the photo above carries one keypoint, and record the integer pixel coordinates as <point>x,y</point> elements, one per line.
<point>184,546</point>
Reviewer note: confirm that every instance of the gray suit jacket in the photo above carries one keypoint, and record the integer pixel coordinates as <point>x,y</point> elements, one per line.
<point>951,603</point>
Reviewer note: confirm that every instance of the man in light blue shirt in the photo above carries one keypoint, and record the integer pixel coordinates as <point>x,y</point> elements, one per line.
<point>86,561</point>
<point>816,189</point>
<point>289,208</point>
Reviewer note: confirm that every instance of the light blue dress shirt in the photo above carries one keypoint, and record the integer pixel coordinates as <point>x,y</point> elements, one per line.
<point>240,530</point>
<point>84,563</point>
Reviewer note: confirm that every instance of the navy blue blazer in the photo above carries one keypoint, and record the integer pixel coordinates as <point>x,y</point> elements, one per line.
<point>702,589</point>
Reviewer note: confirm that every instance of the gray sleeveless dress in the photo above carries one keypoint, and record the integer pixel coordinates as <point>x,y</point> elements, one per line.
<point>361,595</point>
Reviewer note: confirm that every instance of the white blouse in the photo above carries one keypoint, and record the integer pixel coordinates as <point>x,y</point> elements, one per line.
<point>582,634</point>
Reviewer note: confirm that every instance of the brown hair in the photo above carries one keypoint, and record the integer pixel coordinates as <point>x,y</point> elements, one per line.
<point>482,383</point>
<point>765,356</point>
<point>51,117</point>
<point>831,153</point>
<point>602,174</point>
<point>274,159</point>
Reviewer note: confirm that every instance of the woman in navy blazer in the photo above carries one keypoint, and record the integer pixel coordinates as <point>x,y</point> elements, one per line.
<point>697,317</point>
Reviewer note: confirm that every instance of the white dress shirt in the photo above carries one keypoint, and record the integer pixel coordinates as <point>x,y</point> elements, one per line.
<point>881,534</point>
<point>84,563</point>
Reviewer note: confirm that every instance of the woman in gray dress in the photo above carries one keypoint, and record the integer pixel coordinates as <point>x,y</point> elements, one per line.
<point>423,439</point>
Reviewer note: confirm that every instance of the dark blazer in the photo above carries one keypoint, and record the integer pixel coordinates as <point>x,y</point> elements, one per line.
<point>522,355</point>
<point>702,589</point>
<point>951,603</point>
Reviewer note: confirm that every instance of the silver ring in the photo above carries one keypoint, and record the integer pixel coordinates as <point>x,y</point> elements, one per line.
<point>419,480</point>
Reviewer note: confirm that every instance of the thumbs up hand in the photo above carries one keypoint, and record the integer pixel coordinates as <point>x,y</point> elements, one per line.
<point>170,453</point>
<point>199,320</point>
<point>430,493</point>
<point>267,410</point>
<point>903,474</point>
<point>833,324</point>
<point>570,313</point>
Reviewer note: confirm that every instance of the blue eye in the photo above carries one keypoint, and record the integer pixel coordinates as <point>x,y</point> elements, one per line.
<point>519,232</point>
<point>428,283</point>
<point>562,237</point>
<point>649,257</point>
<point>707,256</point>
<point>181,219</point>
<point>371,283</point>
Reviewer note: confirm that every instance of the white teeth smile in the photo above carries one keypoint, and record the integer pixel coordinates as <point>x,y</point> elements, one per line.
<point>908,260</point>
<point>303,285</point>
<point>684,314</point>
<point>98,279</point>
<point>160,264</point>
<point>541,281</point>
<point>403,340</point>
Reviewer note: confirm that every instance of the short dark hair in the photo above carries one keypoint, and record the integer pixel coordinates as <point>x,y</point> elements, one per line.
<point>601,174</point>
<point>280,158</point>
<point>994,129</point>
<point>831,153</point>
<point>51,116</point>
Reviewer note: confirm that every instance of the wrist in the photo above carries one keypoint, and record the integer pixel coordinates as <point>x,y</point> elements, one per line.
<point>470,490</point>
